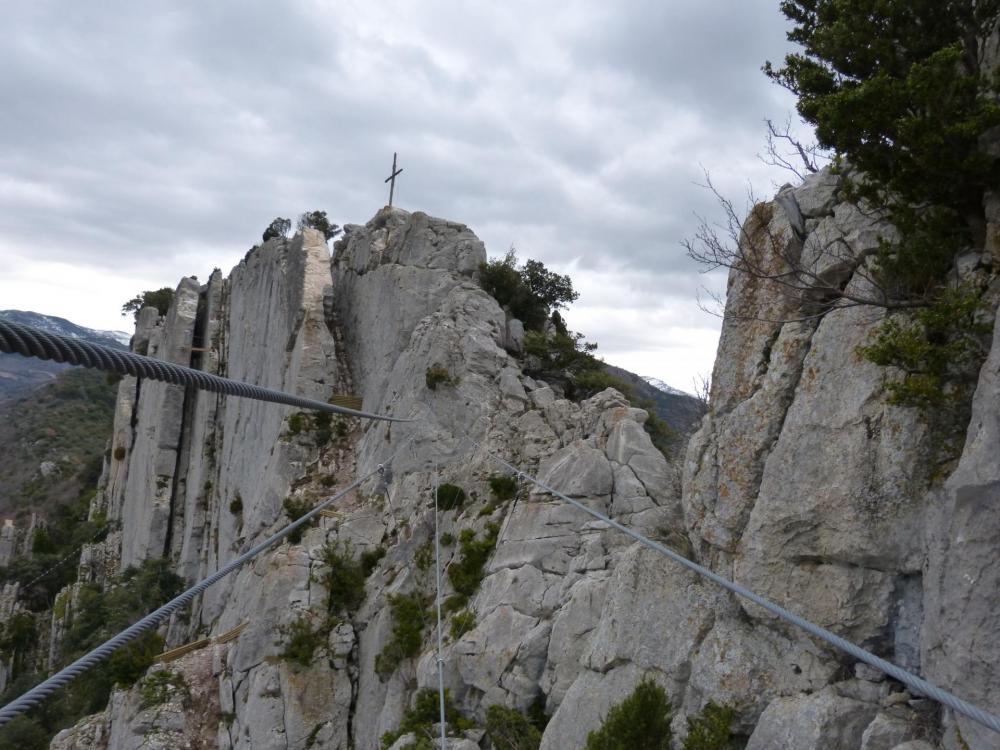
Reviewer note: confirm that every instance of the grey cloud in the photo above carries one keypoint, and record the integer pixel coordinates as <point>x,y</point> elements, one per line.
<point>133,134</point>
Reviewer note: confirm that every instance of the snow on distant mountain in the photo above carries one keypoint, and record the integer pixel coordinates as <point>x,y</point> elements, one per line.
<point>63,327</point>
<point>21,375</point>
<point>661,386</point>
<point>680,410</point>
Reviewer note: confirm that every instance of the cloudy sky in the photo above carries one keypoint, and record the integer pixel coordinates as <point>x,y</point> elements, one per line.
<point>140,142</point>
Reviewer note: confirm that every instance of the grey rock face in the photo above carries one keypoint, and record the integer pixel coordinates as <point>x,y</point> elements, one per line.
<point>152,464</point>
<point>805,486</point>
<point>891,730</point>
<point>962,578</point>
<point>817,195</point>
<point>391,273</point>
<point>801,483</point>
<point>824,721</point>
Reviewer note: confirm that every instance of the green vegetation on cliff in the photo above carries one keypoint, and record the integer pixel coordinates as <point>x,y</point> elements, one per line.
<point>97,615</point>
<point>899,92</point>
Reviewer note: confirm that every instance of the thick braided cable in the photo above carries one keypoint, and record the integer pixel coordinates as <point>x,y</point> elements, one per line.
<point>910,680</point>
<point>66,675</point>
<point>34,342</point>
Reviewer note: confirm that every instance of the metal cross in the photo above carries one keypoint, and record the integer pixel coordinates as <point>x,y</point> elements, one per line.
<point>391,179</point>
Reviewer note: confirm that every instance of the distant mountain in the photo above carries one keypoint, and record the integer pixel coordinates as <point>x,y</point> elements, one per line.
<point>19,375</point>
<point>52,440</point>
<point>680,410</point>
<point>660,385</point>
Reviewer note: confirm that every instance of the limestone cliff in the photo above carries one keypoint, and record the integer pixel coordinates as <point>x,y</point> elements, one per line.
<point>801,483</point>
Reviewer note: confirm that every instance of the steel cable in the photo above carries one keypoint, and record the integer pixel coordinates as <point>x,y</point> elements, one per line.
<point>910,680</point>
<point>66,675</point>
<point>34,342</point>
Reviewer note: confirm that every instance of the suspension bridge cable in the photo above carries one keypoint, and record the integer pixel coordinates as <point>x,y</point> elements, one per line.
<point>437,573</point>
<point>910,680</point>
<point>66,675</point>
<point>30,341</point>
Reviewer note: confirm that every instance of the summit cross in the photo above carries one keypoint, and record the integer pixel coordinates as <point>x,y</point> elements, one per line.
<point>391,179</point>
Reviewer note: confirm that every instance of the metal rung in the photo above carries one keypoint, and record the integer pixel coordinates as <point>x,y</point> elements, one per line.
<point>233,634</point>
<point>348,402</point>
<point>176,653</point>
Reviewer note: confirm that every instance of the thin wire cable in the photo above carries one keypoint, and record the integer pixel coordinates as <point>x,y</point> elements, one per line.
<point>66,675</point>
<point>437,573</point>
<point>55,565</point>
<point>916,683</point>
<point>29,341</point>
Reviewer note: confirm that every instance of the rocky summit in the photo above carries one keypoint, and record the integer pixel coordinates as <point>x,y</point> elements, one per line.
<point>802,483</point>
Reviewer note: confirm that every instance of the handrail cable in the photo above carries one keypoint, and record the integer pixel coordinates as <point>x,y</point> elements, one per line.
<point>910,680</point>
<point>30,341</point>
<point>67,674</point>
<point>64,676</point>
<point>105,528</point>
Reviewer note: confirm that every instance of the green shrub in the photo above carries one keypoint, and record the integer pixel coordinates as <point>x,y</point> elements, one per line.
<point>295,508</point>
<point>711,730</point>
<point>296,423</point>
<point>423,558</point>
<point>18,637</point>
<point>323,422</point>
<point>447,539</point>
<point>301,640</point>
<point>509,729</point>
<point>536,713</point>
<point>895,88</point>
<point>236,506</point>
<point>640,722</point>
<point>466,573</point>
<point>530,292</point>
<point>424,714</point>
<point>369,559</point>
<point>437,375</point>
<point>317,220</point>
<point>937,345</point>
<point>158,687</point>
<point>24,733</point>
<point>409,617</point>
<point>462,623</point>
<point>450,497</point>
<point>129,663</point>
<point>41,543</point>
<point>344,577</point>
<point>161,299</point>
<point>503,487</point>
<point>119,453</point>
<point>98,616</point>
<point>277,229</point>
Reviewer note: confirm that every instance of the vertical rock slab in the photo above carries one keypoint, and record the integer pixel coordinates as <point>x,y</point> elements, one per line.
<point>390,274</point>
<point>961,633</point>
<point>157,424</point>
<point>840,503</point>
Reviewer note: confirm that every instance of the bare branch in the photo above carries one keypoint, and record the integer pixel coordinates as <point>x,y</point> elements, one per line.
<point>813,279</point>
<point>781,147</point>
<point>702,389</point>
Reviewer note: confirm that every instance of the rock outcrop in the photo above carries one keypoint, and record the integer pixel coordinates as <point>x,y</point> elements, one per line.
<point>802,483</point>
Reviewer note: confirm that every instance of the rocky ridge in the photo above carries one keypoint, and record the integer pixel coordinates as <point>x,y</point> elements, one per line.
<point>801,483</point>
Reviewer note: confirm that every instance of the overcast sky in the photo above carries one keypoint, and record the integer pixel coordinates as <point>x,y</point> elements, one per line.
<point>140,142</point>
